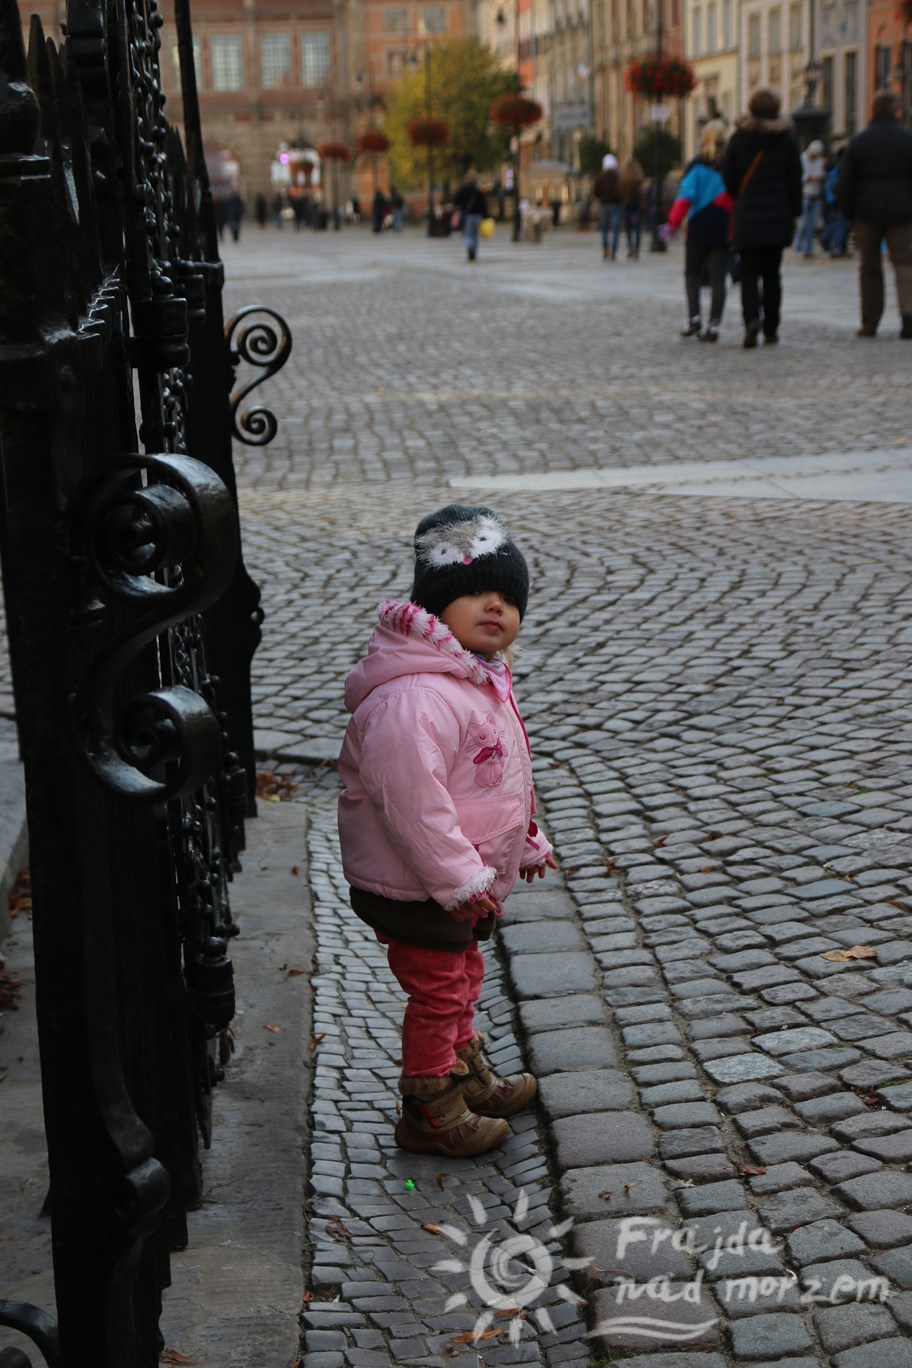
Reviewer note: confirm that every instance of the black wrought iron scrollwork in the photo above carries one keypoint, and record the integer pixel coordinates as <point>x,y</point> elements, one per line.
<point>37,1326</point>
<point>167,550</point>
<point>266,347</point>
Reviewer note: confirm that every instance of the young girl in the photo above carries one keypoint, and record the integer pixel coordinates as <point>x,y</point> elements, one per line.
<point>435,820</point>
<point>706,204</point>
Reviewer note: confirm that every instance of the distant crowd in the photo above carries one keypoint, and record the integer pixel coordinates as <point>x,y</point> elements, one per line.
<point>744,199</point>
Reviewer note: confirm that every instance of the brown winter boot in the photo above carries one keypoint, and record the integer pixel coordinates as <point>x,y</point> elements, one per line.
<point>484,1092</point>
<point>435,1119</point>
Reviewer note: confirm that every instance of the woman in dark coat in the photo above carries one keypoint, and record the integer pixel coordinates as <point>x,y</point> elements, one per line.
<point>762,173</point>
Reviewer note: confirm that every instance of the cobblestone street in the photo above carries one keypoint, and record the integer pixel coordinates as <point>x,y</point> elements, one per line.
<point>714,671</point>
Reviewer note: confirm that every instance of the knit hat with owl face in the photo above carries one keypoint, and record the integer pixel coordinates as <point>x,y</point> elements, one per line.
<point>466,550</point>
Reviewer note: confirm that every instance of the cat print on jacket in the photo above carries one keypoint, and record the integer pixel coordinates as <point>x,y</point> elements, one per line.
<point>489,760</point>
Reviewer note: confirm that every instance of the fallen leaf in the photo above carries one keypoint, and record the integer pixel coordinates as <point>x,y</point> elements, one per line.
<point>434,1229</point>
<point>275,1029</point>
<point>751,1170</point>
<point>628,1186</point>
<point>295,973</point>
<point>657,845</point>
<point>295,869</point>
<point>606,1196</point>
<point>441,1180</point>
<point>307,1296</point>
<point>510,1311</point>
<point>855,952</point>
<point>473,1337</point>
<point>172,1356</point>
<point>315,1040</point>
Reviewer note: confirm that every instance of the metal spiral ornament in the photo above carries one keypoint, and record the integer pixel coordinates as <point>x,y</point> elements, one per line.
<point>267,347</point>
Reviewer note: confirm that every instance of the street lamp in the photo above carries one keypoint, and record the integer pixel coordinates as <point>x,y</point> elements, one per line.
<point>809,119</point>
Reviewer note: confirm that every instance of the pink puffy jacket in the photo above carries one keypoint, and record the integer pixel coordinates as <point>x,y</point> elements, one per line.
<point>438,781</point>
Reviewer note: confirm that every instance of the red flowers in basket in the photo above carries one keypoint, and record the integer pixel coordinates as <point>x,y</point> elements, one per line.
<point>656,78</point>
<point>515,111</point>
<point>372,140</point>
<point>428,132</point>
<point>334,151</point>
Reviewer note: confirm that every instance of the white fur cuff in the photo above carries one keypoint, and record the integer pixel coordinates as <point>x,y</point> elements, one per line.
<point>480,883</point>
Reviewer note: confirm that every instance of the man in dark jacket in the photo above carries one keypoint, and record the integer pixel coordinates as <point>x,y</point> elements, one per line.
<point>762,173</point>
<point>875,192</point>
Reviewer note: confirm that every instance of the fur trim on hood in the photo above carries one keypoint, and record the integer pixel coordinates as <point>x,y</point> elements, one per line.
<point>410,640</point>
<point>749,123</point>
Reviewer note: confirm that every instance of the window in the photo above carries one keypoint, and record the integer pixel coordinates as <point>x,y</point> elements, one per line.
<point>796,27</point>
<point>395,63</point>
<point>775,32</point>
<point>395,19</point>
<point>712,37</point>
<point>433,18</point>
<point>226,53</point>
<point>850,88</point>
<point>827,82</point>
<point>727,37</point>
<point>314,59</point>
<point>753,36</point>
<point>883,65</point>
<point>275,60</point>
<point>697,31</point>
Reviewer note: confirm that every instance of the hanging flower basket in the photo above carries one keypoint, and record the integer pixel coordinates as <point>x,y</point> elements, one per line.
<point>334,151</point>
<point>658,78</point>
<point>372,140</point>
<point>515,111</point>
<point>428,132</point>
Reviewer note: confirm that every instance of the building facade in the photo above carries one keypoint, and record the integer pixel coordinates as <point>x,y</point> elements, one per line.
<point>624,30</point>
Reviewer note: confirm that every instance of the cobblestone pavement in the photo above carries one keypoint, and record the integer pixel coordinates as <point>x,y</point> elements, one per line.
<point>717,692</point>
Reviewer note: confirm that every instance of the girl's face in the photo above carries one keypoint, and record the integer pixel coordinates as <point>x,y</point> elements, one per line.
<point>485,623</point>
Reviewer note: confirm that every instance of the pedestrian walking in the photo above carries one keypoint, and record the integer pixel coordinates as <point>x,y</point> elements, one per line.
<point>378,212</point>
<point>397,204</point>
<point>472,204</point>
<point>278,204</point>
<point>813,175</point>
<point>299,210</point>
<point>834,237</point>
<point>706,204</point>
<point>762,173</point>
<point>234,213</point>
<point>261,210</point>
<point>875,191</point>
<point>607,190</point>
<point>632,177</point>
<point>436,815</point>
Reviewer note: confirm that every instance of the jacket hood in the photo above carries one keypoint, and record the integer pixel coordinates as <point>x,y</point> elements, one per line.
<point>749,123</point>
<point>409,640</point>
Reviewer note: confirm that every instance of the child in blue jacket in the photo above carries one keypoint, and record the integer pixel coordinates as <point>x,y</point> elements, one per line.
<point>707,205</point>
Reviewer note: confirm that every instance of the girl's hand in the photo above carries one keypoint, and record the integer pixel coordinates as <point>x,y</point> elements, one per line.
<point>549,863</point>
<point>485,906</point>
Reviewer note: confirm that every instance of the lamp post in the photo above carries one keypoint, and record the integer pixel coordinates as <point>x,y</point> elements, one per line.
<point>516,112</point>
<point>658,113</point>
<point>809,119</point>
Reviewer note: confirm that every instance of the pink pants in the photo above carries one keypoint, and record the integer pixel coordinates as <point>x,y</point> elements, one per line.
<point>443,987</point>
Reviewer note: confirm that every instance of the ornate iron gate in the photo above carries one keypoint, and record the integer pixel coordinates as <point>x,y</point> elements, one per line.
<point>132,623</point>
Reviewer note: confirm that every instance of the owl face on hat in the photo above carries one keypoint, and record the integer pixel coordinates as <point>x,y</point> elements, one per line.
<point>466,549</point>
<point>460,543</point>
